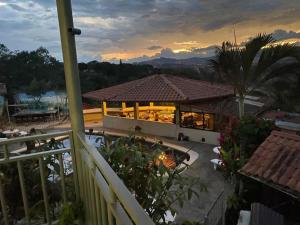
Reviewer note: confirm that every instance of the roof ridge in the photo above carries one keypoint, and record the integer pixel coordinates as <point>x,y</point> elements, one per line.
<point>173,86</point>
<point>285,134</point>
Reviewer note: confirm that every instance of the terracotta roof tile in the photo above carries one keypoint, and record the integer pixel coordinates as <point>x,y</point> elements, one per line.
<point>277,160</point>
<point>161,88</point>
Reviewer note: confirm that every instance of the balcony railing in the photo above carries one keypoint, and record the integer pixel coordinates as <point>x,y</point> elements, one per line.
<point>105,198</point>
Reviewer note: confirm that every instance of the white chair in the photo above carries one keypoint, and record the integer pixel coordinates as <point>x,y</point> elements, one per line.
<point>216,163</point>
<point>217,150</point>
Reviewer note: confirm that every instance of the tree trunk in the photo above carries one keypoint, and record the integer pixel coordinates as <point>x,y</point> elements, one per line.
<point>241,105</point>
<point>242,146</point>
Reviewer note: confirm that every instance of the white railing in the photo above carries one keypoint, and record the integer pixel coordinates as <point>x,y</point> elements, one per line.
<point>108,199</point>
<point>105,198</point>
<point>18,161</point>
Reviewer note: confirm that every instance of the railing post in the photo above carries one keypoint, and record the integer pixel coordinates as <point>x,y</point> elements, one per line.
<point>67,32</point>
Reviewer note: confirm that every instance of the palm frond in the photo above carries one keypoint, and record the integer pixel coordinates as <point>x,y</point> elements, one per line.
<point>252,49</point>
<point>274,55</point>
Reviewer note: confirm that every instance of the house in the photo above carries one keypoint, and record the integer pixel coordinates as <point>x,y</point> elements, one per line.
<point>275,167</point>
<point>164,105</point>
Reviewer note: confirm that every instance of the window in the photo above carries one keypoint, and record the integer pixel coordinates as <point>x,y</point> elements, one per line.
<point>203,121</point>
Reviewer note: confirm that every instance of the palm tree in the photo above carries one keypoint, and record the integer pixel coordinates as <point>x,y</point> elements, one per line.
<point>254,66</point>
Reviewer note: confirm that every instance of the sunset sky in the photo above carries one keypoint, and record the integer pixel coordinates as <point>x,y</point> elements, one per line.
<point>136,30</point>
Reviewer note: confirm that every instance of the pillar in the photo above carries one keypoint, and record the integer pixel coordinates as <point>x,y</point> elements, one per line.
<point>136,111</point>
<point>65,18</point>
<point>104,108</point>
<point>123,105</point>
<point>177,114</point>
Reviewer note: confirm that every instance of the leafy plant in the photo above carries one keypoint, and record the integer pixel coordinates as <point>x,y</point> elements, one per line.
<point>157,188</point>
<point>248,132</point>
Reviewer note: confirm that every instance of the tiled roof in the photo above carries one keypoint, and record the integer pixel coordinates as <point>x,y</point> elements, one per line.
<point>2,88</point>
<point>226,107</point>
<point>161,88</point>
<point>277,162</point>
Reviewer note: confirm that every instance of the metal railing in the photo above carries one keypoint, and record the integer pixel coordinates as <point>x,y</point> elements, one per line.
<point>215,215</point>
<point>18,160</point>
<point>105,198</point>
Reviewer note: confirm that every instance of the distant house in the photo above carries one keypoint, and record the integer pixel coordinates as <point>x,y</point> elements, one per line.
<point>283,120</point>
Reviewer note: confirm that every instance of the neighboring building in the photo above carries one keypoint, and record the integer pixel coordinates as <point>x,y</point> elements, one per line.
<point>162,105</point>
<point>276,162</point>
<point>167,105</point>
<point>275,165</point>
<point>284,120</point>
<point>3,92</point>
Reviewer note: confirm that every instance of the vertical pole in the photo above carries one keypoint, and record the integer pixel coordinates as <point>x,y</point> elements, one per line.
<point>177,115</point>
<point>136,111</point>
<point>104,108</point>
<point>65,18</point>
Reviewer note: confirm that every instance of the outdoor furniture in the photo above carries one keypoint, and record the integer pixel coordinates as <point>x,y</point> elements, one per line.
<point>23,133</point>
<point>10,133</point>
<point>216,163</point>
<point>217,150</point>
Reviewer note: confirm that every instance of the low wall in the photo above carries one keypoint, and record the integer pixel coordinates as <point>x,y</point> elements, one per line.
<point>148,127</point>
<point>92,115</point>
<point>160,129</point>
<point>210,137</point>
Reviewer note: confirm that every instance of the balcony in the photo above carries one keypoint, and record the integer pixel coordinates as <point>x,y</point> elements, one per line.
<point>104,197</point>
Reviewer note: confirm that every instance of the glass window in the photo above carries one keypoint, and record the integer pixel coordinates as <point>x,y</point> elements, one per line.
<point>204,121</point>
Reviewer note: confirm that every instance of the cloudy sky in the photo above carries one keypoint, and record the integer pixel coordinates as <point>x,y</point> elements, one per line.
<point>141,29</point>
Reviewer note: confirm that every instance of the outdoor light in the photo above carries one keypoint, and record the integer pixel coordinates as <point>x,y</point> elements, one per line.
<point>162,156</point>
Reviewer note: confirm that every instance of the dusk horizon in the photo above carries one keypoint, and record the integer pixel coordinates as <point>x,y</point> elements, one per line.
<point>136,31</point>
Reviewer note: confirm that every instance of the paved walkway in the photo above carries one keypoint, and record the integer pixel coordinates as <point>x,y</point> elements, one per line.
<point>197,208</point>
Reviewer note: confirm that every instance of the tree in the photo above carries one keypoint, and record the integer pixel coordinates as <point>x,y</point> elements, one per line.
<point>36,89</point>
<point>254,66</point>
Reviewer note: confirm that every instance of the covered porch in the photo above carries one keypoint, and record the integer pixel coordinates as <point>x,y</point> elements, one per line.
<point>163,105</point>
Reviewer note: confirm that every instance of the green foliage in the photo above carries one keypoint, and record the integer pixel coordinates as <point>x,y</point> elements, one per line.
<point>67,216</point>
<point>71,214</point>
<point>249,132</point>
<point>31,170</point>
<point>156,187</point>
<point>257,66</point>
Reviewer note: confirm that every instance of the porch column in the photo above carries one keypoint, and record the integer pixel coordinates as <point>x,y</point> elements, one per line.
<point>123,105</point>
<point>177,114</point>
<point>104,108</point>
<point>136,111</point>
<point>65,18</point>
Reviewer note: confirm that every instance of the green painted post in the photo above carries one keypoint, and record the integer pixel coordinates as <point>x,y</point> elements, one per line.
<point>67,32</point>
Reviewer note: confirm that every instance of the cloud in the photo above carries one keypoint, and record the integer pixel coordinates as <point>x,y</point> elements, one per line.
<point>283,34</point>
<point>114,26</point>
<point>154,47</point>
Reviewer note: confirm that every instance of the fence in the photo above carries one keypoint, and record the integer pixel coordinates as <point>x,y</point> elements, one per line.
<point>105,198</point>
<point>215,215</point>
